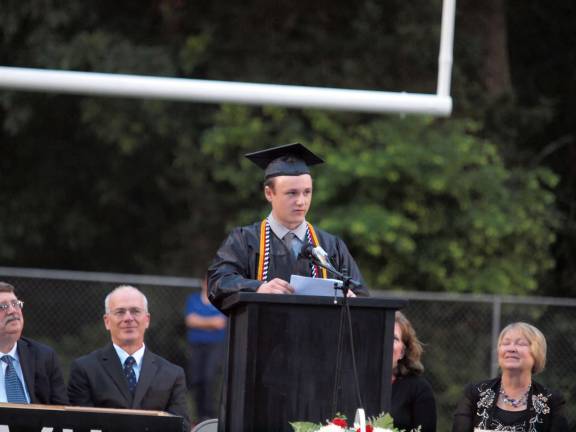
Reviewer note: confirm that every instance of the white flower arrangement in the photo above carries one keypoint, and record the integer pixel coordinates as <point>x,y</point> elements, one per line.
<point>381,423</point>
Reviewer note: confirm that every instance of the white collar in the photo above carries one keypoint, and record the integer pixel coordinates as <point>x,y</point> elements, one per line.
<point>123,355</point>
<point>280,230</point>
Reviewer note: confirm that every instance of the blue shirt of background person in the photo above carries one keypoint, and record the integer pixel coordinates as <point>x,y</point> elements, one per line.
<point>203,308</point>
<point>206,334</point>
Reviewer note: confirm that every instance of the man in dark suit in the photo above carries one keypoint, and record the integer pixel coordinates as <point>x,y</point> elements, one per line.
<point>30,371</point>
<point>125,374</point>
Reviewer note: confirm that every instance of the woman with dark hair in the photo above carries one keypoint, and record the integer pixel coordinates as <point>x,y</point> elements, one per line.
<point>413,403</point>
<point>513,401</point>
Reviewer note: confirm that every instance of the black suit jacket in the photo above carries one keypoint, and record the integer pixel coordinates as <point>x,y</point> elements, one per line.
<point>97,380</point>
<point>42,373</point>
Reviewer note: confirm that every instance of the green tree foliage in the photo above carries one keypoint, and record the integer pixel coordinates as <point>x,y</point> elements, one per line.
<point>98,183</point>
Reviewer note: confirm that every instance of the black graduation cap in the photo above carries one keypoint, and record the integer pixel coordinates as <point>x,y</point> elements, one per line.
<point>289,159</point>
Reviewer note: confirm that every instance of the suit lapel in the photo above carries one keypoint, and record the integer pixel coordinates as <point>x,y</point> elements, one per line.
<point>110,362</point>
<point>26,357</point>
<point>147,374</point>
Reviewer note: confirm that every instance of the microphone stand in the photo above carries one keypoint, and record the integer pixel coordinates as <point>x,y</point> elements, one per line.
<point>345,315</point>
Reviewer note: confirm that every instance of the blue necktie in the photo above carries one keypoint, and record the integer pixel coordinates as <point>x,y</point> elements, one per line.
<point>14,390</point>
<point>130,374</point>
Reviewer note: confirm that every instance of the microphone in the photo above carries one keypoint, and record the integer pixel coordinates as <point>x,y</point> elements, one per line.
<point>319,256</point>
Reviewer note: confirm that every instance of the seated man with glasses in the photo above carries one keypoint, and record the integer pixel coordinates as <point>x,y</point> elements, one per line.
<point>30,371</point>
<point>126,374</point>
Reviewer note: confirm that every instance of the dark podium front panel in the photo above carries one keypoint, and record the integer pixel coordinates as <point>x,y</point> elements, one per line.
<point>282,358</point>
<point>24,418</point>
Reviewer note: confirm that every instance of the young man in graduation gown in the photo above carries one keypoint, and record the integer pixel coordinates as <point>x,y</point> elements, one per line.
<point>261,257</point>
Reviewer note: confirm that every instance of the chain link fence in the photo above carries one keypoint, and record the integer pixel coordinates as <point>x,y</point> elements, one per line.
<point>64,309</point>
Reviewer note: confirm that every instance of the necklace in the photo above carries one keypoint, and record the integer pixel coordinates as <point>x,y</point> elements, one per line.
<point>515,403</point>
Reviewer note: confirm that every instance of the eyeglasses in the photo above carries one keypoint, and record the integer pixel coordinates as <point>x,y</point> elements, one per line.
<point>16,304</point>
<point>121,312</point>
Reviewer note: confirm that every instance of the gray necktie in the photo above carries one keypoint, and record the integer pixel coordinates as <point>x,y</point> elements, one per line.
<point>14,389</point>
<point>292,243</point>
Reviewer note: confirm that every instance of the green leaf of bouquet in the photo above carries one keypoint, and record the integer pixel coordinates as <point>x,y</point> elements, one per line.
<point>305,426</point>
<point>383,421</point>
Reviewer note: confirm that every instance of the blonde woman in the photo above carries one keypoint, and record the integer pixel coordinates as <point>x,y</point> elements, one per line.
<point>513,401</point>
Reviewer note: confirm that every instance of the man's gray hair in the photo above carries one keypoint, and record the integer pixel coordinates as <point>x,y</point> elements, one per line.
<point>6,287</point>
<point>120,287</point>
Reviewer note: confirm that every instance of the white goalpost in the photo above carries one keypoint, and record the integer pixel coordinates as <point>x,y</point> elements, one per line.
<point>146,87</point>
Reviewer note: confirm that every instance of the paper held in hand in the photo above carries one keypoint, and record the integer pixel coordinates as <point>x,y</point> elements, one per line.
<point>304,285</point>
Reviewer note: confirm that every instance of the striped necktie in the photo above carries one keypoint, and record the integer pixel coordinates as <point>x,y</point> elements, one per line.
<point>130,374</point>
<point>14,389</point>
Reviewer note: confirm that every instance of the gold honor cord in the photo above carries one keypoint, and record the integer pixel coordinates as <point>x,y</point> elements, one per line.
<point>264,258</point>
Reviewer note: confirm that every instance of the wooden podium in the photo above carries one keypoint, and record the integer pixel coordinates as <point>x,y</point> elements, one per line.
<point>282,357</point>
<point>30,417</point>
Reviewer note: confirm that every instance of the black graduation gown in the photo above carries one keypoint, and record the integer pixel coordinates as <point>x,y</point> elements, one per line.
<point>235,266</point>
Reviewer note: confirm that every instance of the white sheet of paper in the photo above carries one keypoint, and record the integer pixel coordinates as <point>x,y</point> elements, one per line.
<point>304,285</point>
